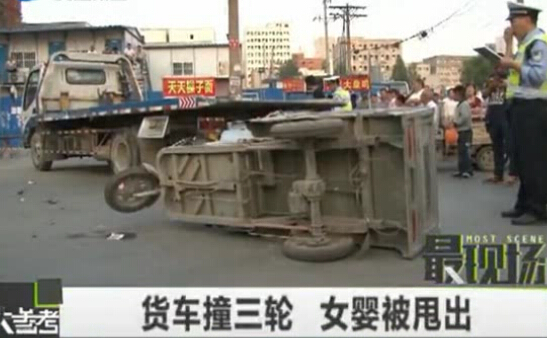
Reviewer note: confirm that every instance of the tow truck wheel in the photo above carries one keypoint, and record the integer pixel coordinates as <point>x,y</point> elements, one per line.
<point>485,158</point>
<point>121,190</point>
<point>309,249</point>
<point>124,152</point>
<point>37,153</point>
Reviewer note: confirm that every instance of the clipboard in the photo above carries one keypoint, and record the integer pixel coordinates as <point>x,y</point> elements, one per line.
<point>488,53</point>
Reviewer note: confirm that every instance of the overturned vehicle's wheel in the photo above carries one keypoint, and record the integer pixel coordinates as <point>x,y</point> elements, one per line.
<point>303,129</point>
<point>326,249</point>
<point>132,190</point>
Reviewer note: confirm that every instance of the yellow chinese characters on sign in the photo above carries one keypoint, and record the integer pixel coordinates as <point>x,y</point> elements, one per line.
<point>179,86</point>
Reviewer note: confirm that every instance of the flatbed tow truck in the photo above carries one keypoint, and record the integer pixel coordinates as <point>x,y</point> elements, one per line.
<point>90,105</point>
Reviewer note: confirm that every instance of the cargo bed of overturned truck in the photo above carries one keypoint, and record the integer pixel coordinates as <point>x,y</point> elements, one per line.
<point>369,176</point>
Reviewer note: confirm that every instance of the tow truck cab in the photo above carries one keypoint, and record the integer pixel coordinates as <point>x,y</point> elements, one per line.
<point>72,81</point>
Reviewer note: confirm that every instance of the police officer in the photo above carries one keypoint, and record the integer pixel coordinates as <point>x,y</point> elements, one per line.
<point>342,95</point>
<point>527,95</point>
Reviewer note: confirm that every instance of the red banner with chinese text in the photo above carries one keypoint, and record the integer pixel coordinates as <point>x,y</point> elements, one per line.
<point>353,83</point>
<point>186,86</point>
<point>294,85</point>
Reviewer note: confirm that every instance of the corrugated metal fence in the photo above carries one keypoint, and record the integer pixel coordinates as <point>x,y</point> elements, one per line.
<point>10,122</point>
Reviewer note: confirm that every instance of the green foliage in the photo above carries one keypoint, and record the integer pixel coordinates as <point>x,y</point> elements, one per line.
<point>288,69</point>
<point>476,70</point>
<point>400,72</point>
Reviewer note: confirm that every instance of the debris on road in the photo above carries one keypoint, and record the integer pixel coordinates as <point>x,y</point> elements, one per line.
<point>121,236</point>
<point>21,192</point>
<point>52,201</point>
<point>34,236</point>
<point>22,199</point>
<point>52,223</point>
<point>31,182</point>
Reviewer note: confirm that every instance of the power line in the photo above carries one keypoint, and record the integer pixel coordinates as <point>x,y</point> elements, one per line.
<point>348,13</point>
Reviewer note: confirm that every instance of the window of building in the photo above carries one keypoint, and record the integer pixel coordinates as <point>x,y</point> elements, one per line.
<point>388,68</point>
<point>177,68</point>
<point>24,59</point>
<point>85,76</point>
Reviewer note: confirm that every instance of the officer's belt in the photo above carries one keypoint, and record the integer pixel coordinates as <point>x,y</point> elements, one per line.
<point>527,93</point>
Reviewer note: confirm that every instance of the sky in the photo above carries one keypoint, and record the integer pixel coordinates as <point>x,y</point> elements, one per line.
<point>476,23</point>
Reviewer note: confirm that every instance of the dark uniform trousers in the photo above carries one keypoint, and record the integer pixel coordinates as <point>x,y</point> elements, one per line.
<point>497,124</point>
<point>529,124</point>
<point>465,140</point>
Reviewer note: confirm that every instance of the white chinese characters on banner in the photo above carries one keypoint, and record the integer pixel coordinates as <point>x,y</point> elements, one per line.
<point>299,312</point>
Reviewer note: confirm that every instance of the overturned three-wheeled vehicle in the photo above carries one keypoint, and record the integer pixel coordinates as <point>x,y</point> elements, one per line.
<point>327,182</point>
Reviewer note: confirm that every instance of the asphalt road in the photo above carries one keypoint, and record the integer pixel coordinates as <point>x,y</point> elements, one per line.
<point>56,228</point>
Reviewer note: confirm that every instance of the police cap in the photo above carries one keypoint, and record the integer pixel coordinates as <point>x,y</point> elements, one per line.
<point>516,10</point>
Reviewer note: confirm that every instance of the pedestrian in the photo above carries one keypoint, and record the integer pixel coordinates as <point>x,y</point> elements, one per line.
<point>474,101</point>
<point>527,95</point>
<point>497,124</point>
<point>11,69</point>
<point>463,124</point>
<point>393,93</point>
<point>140,55</point>
<point>400,101</point>
<point>418,86</point>
<point>427,101</point>
<point>319,92</point>
<point>92,50</point>
<point>129,53</point>
<point>449,108</point>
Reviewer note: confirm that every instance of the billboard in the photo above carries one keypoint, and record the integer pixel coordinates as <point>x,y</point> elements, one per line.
<point>176,86</point>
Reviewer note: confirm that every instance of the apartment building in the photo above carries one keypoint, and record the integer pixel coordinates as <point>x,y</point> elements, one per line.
<point>365,52</point>
<point>266,48</point>
<point>448,68</point>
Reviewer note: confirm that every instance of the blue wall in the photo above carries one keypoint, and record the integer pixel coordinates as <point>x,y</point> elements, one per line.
<point>10,128</point>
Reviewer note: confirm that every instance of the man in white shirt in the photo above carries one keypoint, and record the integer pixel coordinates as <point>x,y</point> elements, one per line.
<point>129,53</point>
<point>417,90</point>
<point>449,108</point>
<point>427,100</point>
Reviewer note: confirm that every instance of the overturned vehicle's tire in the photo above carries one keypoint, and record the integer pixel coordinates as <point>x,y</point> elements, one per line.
<point>311,128</point>
<point>132,190</point>
<point>309,249</point>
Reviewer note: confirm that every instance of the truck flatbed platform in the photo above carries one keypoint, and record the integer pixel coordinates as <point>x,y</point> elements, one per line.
<point>204,107</point>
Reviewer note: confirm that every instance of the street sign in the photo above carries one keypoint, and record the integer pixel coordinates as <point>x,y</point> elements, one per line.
<point>294,85</point>
<point>176,86</point>
<point>187,102</point>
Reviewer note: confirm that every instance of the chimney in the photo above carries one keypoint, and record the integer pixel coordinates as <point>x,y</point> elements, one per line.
<point>10,13</point>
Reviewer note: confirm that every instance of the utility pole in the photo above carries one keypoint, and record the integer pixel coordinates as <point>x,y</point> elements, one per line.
<point>235,49</point>
<point>348,13</point>
<point>327,44</point>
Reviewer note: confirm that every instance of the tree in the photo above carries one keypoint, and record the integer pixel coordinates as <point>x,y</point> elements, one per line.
<point>400,72</point>
<point>476,70</point>
<point>288,69</point>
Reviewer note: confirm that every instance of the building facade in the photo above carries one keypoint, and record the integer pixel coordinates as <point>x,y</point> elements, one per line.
<point>320,48</point>
<point>448,68</point>
<point>32,44</point>
<point>266,48</point>
<point>189,60</point>
<point>179,35</point>
<point>308,65</point>
<point>378,53</point>
<point>10,13</point>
